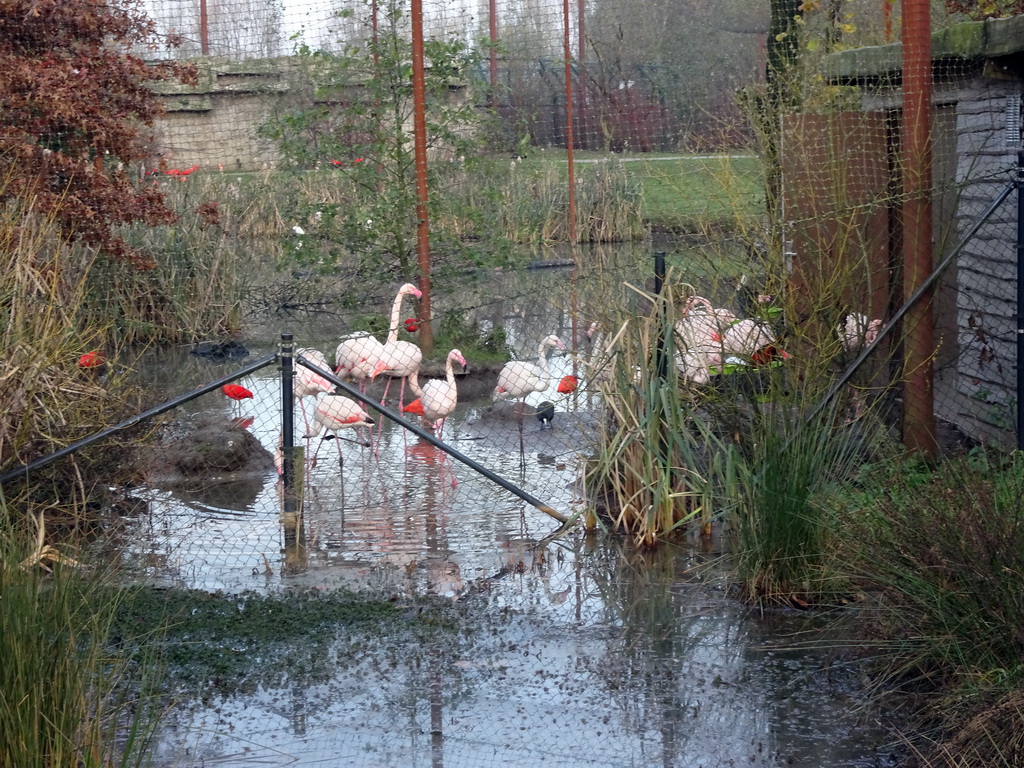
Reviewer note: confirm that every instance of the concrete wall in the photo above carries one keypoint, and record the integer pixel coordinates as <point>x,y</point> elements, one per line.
<point>215,122</point>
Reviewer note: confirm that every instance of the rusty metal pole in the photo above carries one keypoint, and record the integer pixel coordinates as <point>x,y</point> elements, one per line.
<point>493,21</point>
<point>567,50</point>
<point>581,85</point>
<point>919,323</point>
<point>426,337</point>
<point>204,29</point>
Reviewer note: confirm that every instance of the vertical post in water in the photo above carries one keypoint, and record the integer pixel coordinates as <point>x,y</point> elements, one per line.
<point>287,357</point>
<point>660,356</point>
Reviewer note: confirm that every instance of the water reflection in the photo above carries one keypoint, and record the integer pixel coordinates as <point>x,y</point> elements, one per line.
<point>588,655</point>
<point>577,652</point>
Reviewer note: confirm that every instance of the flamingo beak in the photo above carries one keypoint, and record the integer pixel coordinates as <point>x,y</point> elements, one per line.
<point>378,369</point>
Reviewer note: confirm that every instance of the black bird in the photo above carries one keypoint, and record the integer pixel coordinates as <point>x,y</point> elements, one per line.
<point>546,414</point>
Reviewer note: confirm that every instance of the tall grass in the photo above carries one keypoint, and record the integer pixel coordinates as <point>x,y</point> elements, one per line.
<point>45,400</point>
<point>66,698</point>
<point>941,552</point>
<point>785,461</point>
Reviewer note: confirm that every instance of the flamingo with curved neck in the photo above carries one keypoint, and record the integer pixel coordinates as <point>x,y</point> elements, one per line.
<point>399,359</point>
<point>439,396</point>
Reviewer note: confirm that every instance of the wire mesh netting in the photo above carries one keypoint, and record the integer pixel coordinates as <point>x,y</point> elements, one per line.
<point>455,208</point>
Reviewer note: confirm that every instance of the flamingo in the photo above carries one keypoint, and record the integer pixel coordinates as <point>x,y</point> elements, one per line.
<point>600,366</point>
<point>399,358</point>
<point>439,396</point>
<point>745,338</point>
<point>856,332</point>
<point>357,357</point>
<point>236,392</point>
<point>308,383</point>
<point>521,377</point>
<point>333,414</point>
<point>695,366</point>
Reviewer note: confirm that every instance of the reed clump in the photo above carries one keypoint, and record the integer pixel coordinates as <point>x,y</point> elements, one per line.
<point>68,697</point>
<point>659,467</point>
<point>47,398</point>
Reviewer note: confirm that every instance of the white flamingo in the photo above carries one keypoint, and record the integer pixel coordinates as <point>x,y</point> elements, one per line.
<point>746,337</point>
<point>357,357</point>
<point>521,377</point>
<point>695,367</point>
<point>308,383</point>
<point>856,332</point>
<point>399,359</point>
<point>439,396</point>
<point>358,353</point>
<point>334,413</point>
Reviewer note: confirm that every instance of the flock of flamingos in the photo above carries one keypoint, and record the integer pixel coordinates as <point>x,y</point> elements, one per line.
<point>706,337</point>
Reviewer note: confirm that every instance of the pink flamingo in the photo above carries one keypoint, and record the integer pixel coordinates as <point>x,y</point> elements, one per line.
<point>856,332</point>
<point>439,396</point>
<point>745,337</point>
<point>357,357</point>
<point>400,359</point>
<point>359,353</point>
<point>333,414</point>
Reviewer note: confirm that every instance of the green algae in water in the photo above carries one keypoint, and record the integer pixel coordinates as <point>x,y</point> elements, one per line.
<point>226,644</point>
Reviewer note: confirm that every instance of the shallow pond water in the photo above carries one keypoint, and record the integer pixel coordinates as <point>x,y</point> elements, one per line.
<point>573,652</point>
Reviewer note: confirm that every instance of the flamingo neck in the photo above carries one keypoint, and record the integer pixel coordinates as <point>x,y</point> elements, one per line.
<point>542,358</point>
<point>396,312</point>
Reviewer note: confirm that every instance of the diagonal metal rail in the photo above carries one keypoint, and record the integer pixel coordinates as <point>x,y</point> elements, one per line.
<point>424,435</point>
<point>890,326</point>
<point>138,418</point>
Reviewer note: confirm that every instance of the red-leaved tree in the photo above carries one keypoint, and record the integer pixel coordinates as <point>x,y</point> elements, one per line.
<point>74,105</point>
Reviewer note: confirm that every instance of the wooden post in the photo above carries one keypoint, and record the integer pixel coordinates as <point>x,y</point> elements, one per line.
<point>919,324</point>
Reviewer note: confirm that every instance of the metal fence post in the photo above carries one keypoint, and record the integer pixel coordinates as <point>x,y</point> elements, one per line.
<point>288,422</point>
<point>1019,183</point>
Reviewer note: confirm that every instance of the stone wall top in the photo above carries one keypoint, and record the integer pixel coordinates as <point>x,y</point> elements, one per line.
<point>974,40</point>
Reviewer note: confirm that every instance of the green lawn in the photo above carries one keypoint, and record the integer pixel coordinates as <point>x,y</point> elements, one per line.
<point>683,192</point>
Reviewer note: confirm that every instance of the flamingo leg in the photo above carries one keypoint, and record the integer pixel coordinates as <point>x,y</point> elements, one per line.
<point>341,460</point>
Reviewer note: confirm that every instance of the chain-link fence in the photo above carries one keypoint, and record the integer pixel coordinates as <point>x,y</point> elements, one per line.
<point>585,250</point>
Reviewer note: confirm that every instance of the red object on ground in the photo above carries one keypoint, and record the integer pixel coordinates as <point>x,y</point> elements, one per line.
<point>93,359</point>
<point>769,354</point>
